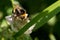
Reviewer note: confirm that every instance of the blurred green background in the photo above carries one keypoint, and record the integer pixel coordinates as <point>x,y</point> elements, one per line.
<point>33,7</point>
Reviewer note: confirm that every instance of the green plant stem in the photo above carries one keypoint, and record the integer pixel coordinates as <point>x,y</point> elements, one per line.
<point>12,1</point>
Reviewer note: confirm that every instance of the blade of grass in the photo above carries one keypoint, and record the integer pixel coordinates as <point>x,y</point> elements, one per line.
<point>53,10</point>
<point>42,14</point>
<point>46,18</point>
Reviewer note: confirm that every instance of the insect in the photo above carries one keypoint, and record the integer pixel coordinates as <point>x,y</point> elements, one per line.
<point>18,19</point>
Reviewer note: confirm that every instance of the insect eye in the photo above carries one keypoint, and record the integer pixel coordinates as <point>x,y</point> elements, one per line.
<point>16,11</point>
<point>22,11</point>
